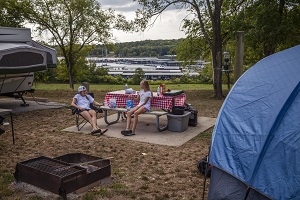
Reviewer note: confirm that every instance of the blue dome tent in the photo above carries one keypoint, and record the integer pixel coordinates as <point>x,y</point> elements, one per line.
<point>255,149</point>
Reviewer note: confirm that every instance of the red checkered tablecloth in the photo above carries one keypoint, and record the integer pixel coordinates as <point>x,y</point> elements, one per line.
<point>162,102</point>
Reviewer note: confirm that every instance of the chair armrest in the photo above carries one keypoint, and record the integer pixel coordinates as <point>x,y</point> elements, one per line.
<point>96,108</point>
<point>74,110</point>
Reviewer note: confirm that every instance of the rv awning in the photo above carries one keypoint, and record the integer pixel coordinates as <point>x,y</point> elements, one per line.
<point>21,58</point>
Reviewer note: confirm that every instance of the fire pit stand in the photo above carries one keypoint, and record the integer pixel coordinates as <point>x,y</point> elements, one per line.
<point>63,174</point>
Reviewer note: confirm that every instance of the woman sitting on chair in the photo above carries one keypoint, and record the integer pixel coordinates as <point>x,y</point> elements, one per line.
<point>82,102</point>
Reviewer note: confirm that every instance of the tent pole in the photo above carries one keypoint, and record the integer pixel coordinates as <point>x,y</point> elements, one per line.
<point>204,183</point>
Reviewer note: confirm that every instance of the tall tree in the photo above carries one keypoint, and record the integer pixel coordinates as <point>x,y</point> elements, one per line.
<point>10,13</point>
<point>71,24</point>
<point>271,25</point>
<point>207,20</point>
<point>138,75</point>
<point>191,49</point>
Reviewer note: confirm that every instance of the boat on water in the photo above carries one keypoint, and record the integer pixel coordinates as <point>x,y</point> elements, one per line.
<point>20,57</point>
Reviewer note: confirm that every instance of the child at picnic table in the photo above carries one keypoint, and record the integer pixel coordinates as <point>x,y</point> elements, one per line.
<point>144,98</point>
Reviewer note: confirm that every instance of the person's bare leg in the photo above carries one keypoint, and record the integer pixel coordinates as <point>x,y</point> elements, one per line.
<point>88,117</point>
<point>94,117</point>
<point>135,119</point>
<point>128,122</point>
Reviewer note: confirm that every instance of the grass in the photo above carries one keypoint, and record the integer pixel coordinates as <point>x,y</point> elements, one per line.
<point>5,179</point>
<point>123,186</point>
<point>107,87</point>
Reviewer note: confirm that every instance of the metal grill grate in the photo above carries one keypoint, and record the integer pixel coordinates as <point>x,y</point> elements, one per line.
<point>63,174</point>
<point>51,166</point>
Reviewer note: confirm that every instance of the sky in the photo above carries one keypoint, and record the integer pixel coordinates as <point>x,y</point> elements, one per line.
<point>167,26</point>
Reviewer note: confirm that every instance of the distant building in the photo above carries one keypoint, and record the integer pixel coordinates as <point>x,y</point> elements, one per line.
<point>154,68</point>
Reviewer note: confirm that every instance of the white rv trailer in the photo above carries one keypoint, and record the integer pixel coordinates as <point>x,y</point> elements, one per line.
<point>20,57</point>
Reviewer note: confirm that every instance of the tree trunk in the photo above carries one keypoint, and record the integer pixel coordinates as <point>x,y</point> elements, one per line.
<point>69,65</point>
<point>217,72</point>
<point>217,52</point>
<point>239,56</point>
<point>70,76</point>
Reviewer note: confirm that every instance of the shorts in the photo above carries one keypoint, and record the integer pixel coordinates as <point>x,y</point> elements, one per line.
<point>79,111</point>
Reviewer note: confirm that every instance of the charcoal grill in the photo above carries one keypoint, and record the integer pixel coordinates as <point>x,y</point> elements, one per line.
<point>63,174</point>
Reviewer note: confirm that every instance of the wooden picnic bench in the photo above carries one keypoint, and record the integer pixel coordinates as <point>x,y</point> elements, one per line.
<point>119,111</point>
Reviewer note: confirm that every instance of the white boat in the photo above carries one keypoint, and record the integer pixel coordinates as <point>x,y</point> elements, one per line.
<point>20,57</point>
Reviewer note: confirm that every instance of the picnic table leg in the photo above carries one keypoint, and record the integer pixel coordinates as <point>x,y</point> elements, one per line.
<point>160,129</point>
<point>112,122</point>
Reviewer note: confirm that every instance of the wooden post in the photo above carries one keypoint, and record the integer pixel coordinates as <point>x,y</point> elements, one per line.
<point>239,55</point>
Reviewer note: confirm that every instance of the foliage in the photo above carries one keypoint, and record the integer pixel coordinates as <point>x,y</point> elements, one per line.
<point>146,48</point>
<point>119,79</point>
<point>101,71</point>
<point>191,49</point>
<point>114,87</point>
<point>5,179</point>
<point>10,13</point>
<point>184,79</point>
<point>78,23</point>
<point>269,26</point>
<point>272,25</point>
<point>45,76</point>
<point>95,74</point>
<point>206,75</point>
<point>138,75</point>
<point>206,23</point>
<point>81,69</point>
<point>107,79</point>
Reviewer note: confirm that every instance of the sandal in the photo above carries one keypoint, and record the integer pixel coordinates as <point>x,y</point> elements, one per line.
<point>130,134</point>
<point>96,131</point>
<point>126,132</point>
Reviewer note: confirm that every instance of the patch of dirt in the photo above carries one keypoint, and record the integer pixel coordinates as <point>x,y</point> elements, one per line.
<point>139,170</point>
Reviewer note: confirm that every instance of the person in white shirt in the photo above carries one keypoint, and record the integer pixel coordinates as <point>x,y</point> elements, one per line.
<point>82,102</point>
<point>144,97</point>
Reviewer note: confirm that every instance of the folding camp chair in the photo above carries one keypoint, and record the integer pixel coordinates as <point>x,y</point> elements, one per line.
<point>80,120</point>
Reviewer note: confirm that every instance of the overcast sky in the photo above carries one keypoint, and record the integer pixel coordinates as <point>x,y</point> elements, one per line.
<point>167,26</point>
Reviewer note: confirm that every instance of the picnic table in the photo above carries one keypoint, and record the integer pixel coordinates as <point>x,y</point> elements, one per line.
<point>159,102</point>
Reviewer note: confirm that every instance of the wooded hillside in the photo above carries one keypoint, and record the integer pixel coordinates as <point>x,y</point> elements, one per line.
<point>146,48</point>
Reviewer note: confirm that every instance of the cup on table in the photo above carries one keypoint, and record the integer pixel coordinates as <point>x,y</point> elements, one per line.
<point>112,103</point>
<point>129,104</point>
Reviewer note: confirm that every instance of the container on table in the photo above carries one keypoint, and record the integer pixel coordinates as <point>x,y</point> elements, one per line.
<point>129,104</point>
